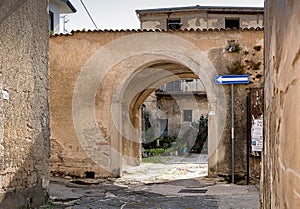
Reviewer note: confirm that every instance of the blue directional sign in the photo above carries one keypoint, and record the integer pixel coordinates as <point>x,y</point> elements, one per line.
<point>232,79</point>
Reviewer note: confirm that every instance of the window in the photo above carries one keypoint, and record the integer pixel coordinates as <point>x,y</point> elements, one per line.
<point>187,115</point>
<point>177,85</point>
<point>232,23</point>
<point>169,87</point>
<point>51,21</point>
<point>173,24</point>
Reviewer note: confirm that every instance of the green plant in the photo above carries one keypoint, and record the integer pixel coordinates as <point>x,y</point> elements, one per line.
<point>153,160</point>
<point>234,47</point>
<point>155,152</point>
<point>202,126</point>
<point>236,68</point>
<point>257,48</point>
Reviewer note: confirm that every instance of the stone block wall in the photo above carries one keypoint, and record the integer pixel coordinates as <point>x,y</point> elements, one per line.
<point>24,104</point>
<point>280,187</point>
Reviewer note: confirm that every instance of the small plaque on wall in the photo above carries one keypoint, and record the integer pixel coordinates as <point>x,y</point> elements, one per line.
<point>5,95</point>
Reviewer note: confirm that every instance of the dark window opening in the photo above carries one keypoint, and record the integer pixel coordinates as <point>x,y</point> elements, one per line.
<point>232,23</point>
<point>51,21</point>
<point>173,24</point>
<point>187,115</point>
<point>90,174</point>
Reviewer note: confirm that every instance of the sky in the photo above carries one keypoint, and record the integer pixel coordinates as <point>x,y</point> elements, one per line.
<point>120,14</point>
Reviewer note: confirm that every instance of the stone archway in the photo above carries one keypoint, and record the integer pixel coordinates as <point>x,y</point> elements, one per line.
<point>106,82</point>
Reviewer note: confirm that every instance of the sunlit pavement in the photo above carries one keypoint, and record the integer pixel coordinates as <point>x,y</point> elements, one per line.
<point>168,168</point>
<point>152,185</point>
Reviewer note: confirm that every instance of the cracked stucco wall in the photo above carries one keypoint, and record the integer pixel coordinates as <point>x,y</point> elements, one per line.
<point>201,20</point>
<point>281,160</point>
<point>24,105</point>
<point>69,55</point>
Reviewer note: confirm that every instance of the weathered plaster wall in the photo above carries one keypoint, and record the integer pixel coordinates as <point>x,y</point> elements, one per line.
<point>281,161</point>
<point>118,63</point>
<point>171,107</point>
<point>201,20</point>
<point>24,117</point>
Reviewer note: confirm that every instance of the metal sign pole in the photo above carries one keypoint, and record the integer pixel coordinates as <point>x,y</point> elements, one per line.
<point>232,134</point>
<point>232,79</point>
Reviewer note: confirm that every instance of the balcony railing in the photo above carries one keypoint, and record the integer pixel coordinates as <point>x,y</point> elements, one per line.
<point>192,86</point>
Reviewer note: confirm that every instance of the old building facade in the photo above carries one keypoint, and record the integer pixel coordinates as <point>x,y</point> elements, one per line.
<point>98,89</point>
<point>24,104</point>
<point>171,106</point>
<point>201,17</point>
<point>281,172</point>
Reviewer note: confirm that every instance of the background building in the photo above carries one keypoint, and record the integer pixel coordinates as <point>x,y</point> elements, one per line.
<point>56,8</point>
<point>174,107</point>
<point>201,17</point>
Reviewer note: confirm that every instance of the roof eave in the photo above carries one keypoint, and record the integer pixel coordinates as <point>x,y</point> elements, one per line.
<point>70,8</point>
<point>202,8</point>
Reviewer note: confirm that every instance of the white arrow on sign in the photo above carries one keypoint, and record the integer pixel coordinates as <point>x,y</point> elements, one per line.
<point>221,79</point>
<point>232,79</point>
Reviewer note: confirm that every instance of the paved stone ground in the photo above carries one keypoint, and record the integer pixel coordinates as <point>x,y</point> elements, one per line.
<point>155,188</point>
<point>168,168</point>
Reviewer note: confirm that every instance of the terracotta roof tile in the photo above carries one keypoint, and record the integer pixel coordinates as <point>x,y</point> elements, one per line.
<point>159,30</point>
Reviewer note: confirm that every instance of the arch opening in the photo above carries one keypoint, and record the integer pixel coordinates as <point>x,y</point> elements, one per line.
<point>187,96</point>
<point>109,93</point>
